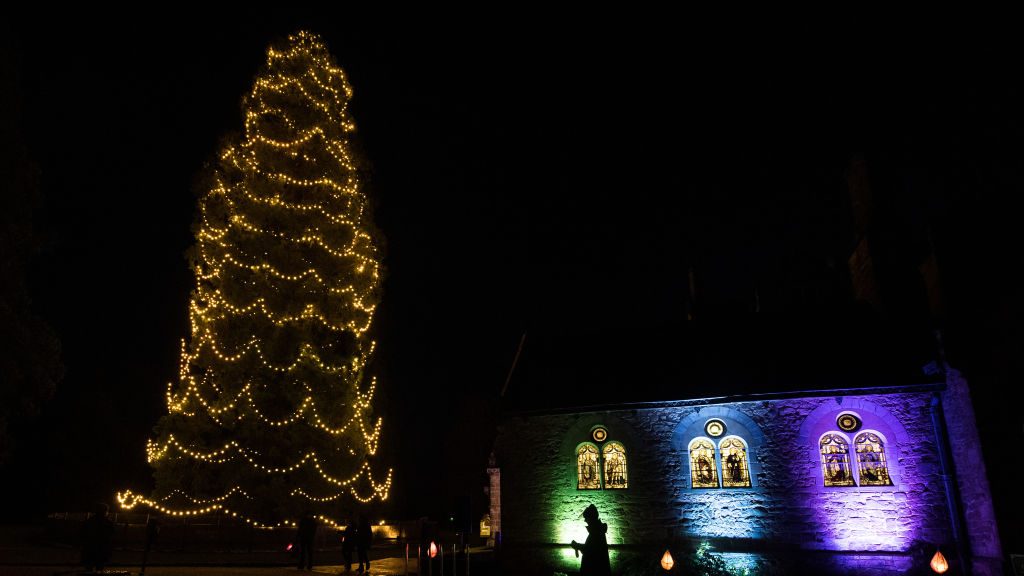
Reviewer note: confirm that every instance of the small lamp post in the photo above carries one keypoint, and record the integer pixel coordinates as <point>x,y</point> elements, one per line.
<point>938,563</point>
<point>667,562</point>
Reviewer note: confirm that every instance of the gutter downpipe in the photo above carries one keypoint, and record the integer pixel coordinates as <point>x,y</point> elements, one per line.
<point>956,518</point>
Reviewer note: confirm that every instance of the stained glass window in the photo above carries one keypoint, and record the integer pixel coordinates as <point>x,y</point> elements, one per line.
<point>735,472</point>
<point>588,467</point>
<point>871,460</point>
<point>835,460</point>
<point>614,465</point>
<point>703,470</point>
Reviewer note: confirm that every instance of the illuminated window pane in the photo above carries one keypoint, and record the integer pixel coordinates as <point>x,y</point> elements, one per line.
<point>735,472</point>
<point>614,465</point>
<point>835,460</point>
<point>588,468</point>
<point>703,470</point>
<point>871,460</point>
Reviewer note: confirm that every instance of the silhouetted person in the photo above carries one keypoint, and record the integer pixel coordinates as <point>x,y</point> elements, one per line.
<point>348,544</point>
<point>97,539</point>
<point>307,532</point>
<point>364,536</point>
<point>426,531</point>
<point>595,550</point>
<point>152,529</point>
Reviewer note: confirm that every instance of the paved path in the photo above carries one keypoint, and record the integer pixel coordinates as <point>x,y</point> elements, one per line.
<point>480,565</point>
<point>384,566</point>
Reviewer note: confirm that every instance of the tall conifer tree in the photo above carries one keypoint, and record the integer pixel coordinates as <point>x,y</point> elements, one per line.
<point>272,413</point>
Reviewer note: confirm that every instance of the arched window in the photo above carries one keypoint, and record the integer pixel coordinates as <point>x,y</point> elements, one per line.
<point>871,460</point>
<point>703,469</point>
<point>600,462</point>
<point>735,472</point>
<point>588,467</point>
<point>835,460</point>
<point>614,465</point>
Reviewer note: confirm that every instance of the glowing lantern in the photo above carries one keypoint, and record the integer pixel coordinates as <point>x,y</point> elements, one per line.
<point>433,550</point>
<point>289,547</point>
<point>667,562</point>
<point>939,564</point>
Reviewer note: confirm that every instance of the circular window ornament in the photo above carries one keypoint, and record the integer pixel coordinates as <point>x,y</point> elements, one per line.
<point>714,428</point>
<point>599,434</point>
<point>848,422</point>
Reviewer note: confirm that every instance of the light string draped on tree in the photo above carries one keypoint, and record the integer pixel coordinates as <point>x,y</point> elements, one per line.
<point>271,415</point>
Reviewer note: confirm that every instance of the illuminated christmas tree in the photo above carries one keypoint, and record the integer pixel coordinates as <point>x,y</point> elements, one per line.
<point>271,415</point>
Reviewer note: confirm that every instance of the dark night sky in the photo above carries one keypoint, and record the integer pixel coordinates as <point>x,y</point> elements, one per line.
<point>555,180</point>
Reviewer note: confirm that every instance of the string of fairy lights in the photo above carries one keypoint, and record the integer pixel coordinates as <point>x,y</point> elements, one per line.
<point>233,491</point>
<point>179,404</point>
<point>275,201</point>
<point>331,498</point>
<point>129,500</point>
<point>310,238</point>
<point>280,236</point>
<point>206,339</point>
<point>259,306</point>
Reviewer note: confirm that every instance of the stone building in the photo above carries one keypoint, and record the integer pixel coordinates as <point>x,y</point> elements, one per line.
<point>865,481</point>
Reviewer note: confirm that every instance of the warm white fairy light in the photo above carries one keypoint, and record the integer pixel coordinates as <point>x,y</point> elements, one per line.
<point>331,498</point>
<point>284,243</point>
<point>228,494</point>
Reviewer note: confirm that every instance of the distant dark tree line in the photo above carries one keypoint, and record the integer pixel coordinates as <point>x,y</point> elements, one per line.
<point>30,352</point>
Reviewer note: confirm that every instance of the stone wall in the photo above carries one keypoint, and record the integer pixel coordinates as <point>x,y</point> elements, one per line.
<point>969,465</point>
<point>787,504</point>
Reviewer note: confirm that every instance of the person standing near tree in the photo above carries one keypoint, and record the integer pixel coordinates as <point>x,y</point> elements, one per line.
<point>348,543</point>
<point>307,533</point>
<point>364,536</point>
<point>97,539</point>
<point>152,530</point>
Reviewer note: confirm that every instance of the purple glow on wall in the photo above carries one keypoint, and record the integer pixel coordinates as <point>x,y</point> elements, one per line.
<point>867,521</point>
<point>866,518</point>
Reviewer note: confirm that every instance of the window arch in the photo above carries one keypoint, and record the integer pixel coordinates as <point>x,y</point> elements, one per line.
<point>614,465</point>
<point>871,464</point>
<point>835,459</point>
<point>703,467</point>
<point>600,461</point>
<point>735,469</point>
<point>588,467</point>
